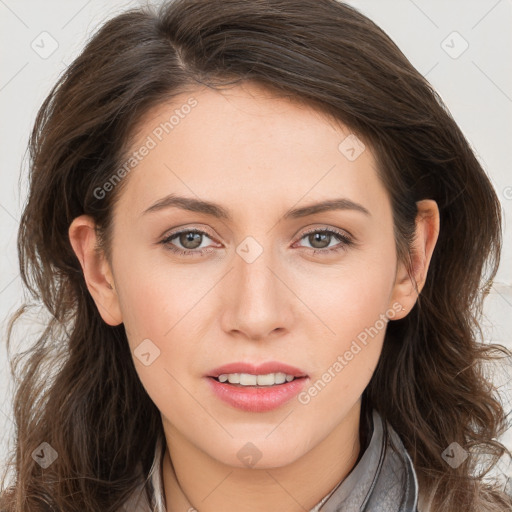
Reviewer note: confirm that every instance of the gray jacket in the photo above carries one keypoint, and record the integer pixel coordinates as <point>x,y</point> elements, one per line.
<point>383,480</point>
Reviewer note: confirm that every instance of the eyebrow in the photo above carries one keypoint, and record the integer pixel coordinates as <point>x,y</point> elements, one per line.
<point>218,211</point>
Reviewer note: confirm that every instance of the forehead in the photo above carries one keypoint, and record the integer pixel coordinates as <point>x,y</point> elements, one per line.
<point>247,144</point>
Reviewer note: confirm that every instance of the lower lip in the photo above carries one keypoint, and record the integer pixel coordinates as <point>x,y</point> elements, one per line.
<point>259,399</point>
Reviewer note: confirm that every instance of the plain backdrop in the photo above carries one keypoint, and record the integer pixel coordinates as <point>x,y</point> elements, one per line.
<point>463,47</point>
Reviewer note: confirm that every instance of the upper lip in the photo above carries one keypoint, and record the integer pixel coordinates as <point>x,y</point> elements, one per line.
<point>257,369</point>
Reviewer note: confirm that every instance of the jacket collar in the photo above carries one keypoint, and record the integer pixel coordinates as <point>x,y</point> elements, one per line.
<point>383,480</point>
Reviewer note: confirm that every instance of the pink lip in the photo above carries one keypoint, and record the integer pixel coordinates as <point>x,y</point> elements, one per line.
<point>257,399</point>
<point>254,369</point>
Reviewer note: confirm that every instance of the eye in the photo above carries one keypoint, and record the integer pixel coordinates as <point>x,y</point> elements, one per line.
<point>320,240</point>
<point>190,241</point>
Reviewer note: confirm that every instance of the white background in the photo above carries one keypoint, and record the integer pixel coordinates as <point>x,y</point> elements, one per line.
<point>476,86</point>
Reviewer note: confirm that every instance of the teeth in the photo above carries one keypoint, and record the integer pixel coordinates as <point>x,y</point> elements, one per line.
<point>246,379</point>
<point>234,378</point>
<point>266,380</point>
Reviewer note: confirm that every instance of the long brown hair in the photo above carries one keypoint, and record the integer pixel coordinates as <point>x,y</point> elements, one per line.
<point>78,389</point>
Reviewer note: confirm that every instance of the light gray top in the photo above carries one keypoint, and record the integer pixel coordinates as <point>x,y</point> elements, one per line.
<point>383,480</point>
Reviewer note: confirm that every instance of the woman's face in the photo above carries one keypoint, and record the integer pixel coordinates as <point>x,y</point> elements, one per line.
<point>274,279</point>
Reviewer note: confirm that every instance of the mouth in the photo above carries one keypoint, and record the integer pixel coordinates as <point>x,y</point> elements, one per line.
<point>255,388</point>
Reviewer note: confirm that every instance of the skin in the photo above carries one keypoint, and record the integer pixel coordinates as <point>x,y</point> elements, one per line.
<point>257,155</point>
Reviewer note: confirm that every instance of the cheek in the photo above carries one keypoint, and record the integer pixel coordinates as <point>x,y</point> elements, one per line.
<point>354,307</point>
<point>161,339</point>
<point>346,362</point>
<point>154,294</point>
<point>162,307</point>
<point>352,296</point>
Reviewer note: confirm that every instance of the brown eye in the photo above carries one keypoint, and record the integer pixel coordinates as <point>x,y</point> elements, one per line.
<point>320,241</point>
<point>190,239</point>
<point>187,242</point>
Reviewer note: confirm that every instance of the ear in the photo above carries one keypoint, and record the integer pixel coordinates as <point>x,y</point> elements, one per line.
<point>406,291</point>
<point>97,272</point>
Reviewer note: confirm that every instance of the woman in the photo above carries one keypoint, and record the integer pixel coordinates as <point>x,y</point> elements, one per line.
<point>261,238</point>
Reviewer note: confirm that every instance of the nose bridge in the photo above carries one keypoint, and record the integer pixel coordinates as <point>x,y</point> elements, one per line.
<point>254,280</point>
<point>258,303</point>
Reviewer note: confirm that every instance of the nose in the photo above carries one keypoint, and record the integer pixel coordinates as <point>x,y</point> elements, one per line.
<point>257,302</point>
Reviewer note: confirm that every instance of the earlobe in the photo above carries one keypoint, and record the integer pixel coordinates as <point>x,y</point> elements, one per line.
<point>96,269</point>
<point>406,289</point>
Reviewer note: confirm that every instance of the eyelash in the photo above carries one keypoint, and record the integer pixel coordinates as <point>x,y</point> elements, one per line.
<point>345,240</point>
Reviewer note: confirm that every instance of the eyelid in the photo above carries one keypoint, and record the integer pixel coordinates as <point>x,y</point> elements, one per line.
<point>178,231</point>
<point>186,228</point>
<point>330,229</point>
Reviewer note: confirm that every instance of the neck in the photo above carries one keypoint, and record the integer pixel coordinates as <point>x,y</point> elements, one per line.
<point>194,481</point>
